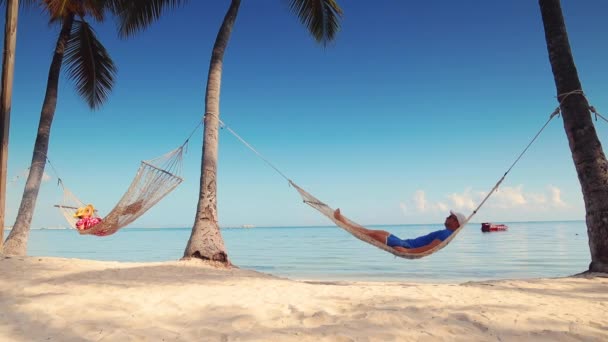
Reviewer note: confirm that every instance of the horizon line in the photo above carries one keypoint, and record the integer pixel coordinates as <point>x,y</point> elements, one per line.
<point>298,226</point>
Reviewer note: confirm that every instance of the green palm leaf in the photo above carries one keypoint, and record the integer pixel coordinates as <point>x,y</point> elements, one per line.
<point>321,17</point>
<point>89,65</point>
<point>136,15</point>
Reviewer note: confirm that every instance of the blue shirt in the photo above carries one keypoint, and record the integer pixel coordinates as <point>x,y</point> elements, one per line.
<point>427,239</point>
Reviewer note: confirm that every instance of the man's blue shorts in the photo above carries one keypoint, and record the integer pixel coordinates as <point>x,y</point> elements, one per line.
<point>393,241</point>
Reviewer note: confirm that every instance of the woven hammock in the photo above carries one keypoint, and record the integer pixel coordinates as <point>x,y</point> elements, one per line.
<point>155,179</point>
<point>329,213</point>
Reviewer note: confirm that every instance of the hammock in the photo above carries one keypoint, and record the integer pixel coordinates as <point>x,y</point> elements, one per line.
<point>154,179</point>
<point>329,213</point>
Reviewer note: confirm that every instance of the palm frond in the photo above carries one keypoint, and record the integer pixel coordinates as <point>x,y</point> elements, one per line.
<point>96,8</point>
<point>58,8</point>
<point>321,17</point>
<point>136,15</point>
<point>89,65</point>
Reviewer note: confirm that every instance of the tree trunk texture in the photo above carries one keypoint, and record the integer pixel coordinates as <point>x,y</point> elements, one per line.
<point>6,94</point>
<point>206,240</point>
<point>589,159</point>
<point>16,243</point>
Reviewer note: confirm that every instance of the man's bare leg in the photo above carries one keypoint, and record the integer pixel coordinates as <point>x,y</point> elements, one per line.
<point>378,235</point>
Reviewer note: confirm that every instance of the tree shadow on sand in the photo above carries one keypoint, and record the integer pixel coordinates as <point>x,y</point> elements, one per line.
<point>321,312</point>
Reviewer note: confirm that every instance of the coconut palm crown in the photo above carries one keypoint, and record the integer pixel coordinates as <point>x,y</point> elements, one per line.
<point>320,17</point>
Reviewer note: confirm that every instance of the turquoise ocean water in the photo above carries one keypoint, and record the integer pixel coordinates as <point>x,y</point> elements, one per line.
<point>527,250</point>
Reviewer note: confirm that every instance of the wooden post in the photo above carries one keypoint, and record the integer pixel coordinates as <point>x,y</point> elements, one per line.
<point>6,93</point>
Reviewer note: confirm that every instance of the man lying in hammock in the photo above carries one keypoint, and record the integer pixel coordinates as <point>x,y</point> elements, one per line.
<point>417,245</point>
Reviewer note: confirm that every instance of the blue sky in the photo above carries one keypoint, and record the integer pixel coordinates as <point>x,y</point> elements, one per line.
<point>416,108</point>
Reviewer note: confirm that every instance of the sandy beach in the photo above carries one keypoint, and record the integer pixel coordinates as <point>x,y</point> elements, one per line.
<point>57,299</point>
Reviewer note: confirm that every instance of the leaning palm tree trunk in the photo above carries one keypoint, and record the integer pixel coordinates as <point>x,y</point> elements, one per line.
<point>205,241</point>
<point>16,243</point>
<point>589,159</point>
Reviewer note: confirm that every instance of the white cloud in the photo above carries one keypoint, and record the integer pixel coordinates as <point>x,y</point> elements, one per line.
<point>540,199</point>
<point>556,197</point>
<point>420,202</point>
<point>403,207</point>
<point>442,206</point>
<point>510,197</point>
<point>462,201</point>
<point>505,198</point>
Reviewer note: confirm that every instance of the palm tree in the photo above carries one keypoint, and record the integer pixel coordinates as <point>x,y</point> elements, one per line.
<point>587,153</point>
<point>321,18</point>
<point>8,67</point>
<point>92,69</point>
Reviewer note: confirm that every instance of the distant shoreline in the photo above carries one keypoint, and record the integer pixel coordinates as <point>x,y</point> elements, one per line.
<point>317,226</point>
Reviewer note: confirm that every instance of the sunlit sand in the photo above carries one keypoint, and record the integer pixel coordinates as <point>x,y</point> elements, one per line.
<point>61,299</point>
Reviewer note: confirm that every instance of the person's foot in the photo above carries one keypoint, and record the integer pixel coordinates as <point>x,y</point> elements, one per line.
<point>337,213</point>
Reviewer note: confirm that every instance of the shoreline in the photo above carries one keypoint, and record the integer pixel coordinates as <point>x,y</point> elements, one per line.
<point>76,299</point>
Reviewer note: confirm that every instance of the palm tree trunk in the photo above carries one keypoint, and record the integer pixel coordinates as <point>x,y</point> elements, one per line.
<point>589,159</point>
<point>16,243</point>
<point>206,241</point>
<point>8,67</point>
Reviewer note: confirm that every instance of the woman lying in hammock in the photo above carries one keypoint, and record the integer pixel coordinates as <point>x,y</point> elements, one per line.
<point>417,245</point>
<point>86,217</point>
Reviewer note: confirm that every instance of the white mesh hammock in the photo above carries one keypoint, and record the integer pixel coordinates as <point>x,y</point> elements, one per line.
<point>154,179</point>
<point>329,213</point>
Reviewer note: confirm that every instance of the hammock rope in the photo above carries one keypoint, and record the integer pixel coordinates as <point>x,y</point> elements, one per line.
<point>154,179</point>
<point>223,125</point>
<point>591,108</point>
<point>556,112</point>
<point>348,225</point>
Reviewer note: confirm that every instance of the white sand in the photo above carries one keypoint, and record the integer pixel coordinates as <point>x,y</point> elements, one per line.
<point>54,299</point>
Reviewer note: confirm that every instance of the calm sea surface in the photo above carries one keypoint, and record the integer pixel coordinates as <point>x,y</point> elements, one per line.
<point>527,250</point>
